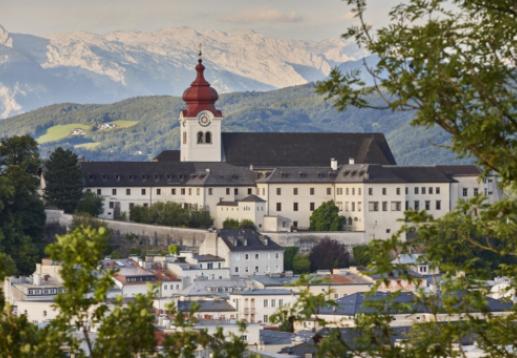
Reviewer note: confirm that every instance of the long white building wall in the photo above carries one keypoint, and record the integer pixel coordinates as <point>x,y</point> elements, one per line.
<point>373,208</point>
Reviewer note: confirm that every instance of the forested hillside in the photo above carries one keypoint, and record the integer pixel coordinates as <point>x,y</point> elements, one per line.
<point>296,109</point>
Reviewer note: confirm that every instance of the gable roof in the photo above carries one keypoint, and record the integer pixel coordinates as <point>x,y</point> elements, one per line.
<point>355,173</point>
<point>162,174</point>
<point>305,149</point>
<point>404,302</point>
<point>253,199</point>
<point>459,170</point>
<point>247,240</point>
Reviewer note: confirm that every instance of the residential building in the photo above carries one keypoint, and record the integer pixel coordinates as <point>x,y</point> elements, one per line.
<point>247,252</point>
<point>258,305</point>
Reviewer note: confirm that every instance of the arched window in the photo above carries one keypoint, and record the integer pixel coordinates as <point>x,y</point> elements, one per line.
<point>199,137</point>
<point>208,137</point>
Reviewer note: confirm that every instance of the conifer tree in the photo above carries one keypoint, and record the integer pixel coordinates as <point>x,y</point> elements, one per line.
<point>63,180</point>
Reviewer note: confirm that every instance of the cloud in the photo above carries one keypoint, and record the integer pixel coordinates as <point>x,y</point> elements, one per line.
<point>264,15</point>
<point>349,15</point>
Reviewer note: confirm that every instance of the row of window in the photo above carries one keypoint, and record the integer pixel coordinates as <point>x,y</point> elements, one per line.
<point>247,256</point>
<point>246,269</point>
<point>348,191</point>
<point>397,205</point>
<point>312,191</point>
<point>174,191</point>
<point>475,191</point>
<point>171,287</point>
<point>416,190</point>
<point>44,291</point>
<point>349,206</point>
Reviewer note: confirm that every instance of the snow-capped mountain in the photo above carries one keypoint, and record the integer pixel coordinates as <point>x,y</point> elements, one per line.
<point>86,67</point>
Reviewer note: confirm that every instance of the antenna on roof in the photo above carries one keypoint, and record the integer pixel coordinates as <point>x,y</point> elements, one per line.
<point>200,52</point>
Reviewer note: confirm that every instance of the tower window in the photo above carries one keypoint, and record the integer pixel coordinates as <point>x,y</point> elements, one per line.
<point>200,137</point>
<point>208,137</point>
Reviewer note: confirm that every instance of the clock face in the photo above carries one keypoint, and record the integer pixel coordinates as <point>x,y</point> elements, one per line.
<point>204,118</point>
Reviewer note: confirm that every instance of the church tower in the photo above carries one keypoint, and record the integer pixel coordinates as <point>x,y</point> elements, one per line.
<point>200,121</point>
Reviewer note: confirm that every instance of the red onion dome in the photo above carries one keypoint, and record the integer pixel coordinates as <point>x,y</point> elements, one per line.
<point>200,96</point>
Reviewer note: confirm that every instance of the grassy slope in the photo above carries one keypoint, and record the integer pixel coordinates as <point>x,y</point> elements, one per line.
<point>61,131</point>
<point>290,109</point>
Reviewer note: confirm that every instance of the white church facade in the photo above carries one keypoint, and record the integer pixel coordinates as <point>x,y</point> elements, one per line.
<point>278,179</point>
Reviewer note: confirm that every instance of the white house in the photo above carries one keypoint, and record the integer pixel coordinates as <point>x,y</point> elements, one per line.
<point>258,305</point>
<point>246,252</point>
<point>198,267</point>
<point>34,295</point>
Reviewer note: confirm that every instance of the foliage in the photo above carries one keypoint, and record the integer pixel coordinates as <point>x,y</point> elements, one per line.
<point>171,214</point>
<point>301,264</point>
<point>361,255</point>
<point>90,203</point>
<point>326,218</point>
<point>22,217</point>
<point>231,224</point>
<point>454,68</point>
<point>235,224</point>
<point>247,225</point>
<point>173,249</point>
<point>452,65</point>
<point>329,254</point>
<point>63,180</point>
<point>289,254</point>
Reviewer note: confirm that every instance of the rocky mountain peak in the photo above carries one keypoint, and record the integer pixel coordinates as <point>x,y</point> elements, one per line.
<point>5,38</point>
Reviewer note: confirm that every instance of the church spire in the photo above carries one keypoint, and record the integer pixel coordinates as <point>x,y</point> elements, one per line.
<point>200,95</point>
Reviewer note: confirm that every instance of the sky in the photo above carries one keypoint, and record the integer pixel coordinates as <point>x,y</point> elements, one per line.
<point>295,19</point>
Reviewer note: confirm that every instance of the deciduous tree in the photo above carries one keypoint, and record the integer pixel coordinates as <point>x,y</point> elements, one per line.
<point>326,218</point>
<point>329,254</point>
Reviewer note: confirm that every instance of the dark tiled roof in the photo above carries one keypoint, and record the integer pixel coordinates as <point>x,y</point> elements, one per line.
<point>168,156</point>
<point>162,174</point>
<point>298,175</point>
<point>208,258</point>
<point>405,302</point>
<point>300,350</point>
<point>206,306</point>
<point>268,336</point>
<point>253,198</point>
<point>305,149</point>
<point>355,173</point>
<point>227,203</point>
<point>357,303</point>
<point>247,240</point>
<point>459,170</point>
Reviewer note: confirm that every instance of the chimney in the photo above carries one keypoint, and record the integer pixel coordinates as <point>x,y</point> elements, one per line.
<point>333,164</point>
<point>351,161</point>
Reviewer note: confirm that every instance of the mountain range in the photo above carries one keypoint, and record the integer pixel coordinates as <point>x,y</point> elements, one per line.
<point>139,128</point>
<point>136,77</point>
<point>84,67</point>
